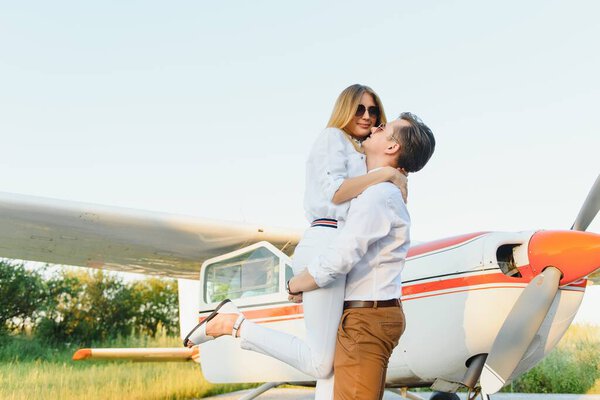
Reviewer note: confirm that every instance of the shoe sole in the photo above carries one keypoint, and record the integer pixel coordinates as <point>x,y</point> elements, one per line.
<point>211,316</point>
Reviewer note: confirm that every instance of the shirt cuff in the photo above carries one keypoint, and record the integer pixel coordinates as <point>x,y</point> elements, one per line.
<point>321,278</point>
<point>332,186</point>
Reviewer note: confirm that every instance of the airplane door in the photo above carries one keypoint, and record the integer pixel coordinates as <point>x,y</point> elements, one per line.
<point>254,279</point>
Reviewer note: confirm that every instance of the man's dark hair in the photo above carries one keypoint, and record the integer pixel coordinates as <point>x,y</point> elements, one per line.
<point>416,141</point>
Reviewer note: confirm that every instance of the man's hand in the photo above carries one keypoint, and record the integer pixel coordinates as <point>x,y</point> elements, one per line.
<point>295,298</point>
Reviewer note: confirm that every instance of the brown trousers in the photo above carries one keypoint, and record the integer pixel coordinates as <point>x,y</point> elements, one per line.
<point>365,340</point>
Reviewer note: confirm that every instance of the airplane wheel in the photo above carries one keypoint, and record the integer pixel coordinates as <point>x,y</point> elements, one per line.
<point>444,396</point>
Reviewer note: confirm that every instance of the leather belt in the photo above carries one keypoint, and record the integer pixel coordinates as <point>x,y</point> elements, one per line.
<point>371,304</point>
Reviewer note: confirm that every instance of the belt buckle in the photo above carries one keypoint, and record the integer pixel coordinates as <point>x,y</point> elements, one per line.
<point>375,304</point>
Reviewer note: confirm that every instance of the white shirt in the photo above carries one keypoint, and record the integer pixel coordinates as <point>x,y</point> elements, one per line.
<point>332,159</point>
<point>371,248</point>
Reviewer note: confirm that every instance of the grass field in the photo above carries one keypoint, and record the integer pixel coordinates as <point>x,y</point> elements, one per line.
<point>30,370</point>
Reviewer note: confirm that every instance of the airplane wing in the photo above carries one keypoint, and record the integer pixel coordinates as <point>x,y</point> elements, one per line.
<point>121,239</point>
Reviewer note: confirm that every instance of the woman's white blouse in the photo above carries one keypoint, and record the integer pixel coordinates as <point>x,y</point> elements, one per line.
<point>331,160</point>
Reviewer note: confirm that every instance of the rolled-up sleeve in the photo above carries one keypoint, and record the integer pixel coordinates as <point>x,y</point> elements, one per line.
<point>368,220</point>
<point>332,159</point>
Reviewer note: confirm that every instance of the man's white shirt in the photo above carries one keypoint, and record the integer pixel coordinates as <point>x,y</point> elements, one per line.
<point>371,248</point>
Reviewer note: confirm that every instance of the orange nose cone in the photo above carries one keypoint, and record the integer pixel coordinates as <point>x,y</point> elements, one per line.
<point>576,254</point>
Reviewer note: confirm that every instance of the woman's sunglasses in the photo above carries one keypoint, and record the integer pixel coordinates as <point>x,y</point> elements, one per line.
<point>373,111</point>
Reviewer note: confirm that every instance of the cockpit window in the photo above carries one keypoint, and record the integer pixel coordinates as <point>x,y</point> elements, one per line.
<point>250,274</point>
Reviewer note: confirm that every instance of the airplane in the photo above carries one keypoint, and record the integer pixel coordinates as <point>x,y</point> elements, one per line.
<point>481,308</point>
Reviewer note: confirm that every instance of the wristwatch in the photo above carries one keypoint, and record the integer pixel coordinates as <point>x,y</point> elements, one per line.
<point>287,287</point>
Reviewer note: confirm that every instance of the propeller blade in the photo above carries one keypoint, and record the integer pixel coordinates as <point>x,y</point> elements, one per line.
<point>519,329</point>
<point>590,208</point>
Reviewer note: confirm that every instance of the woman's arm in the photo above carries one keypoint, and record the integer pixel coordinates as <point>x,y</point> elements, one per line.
<point>352,187</point>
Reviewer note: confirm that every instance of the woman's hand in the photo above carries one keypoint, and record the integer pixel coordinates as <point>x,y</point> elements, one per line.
<point>399,177</point>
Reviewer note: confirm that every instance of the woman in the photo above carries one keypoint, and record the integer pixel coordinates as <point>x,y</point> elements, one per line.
<point>335,174</point>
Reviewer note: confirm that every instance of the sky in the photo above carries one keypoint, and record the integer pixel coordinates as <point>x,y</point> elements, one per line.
<point>210,108</point>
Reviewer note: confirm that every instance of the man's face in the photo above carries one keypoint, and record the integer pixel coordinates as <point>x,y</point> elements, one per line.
<point>381,140</point>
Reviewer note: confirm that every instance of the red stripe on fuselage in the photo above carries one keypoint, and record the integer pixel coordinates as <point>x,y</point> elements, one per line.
<point>460,291</point>
<point>498,278</point>
<point>271,312</point>
<point>274,312</point>
<point>418,291</point>
<point>463,281</point>
<point>441,244</point>
<point>407,290</point>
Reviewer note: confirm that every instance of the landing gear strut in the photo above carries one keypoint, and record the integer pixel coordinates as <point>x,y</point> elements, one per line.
<point>260,390</point>
<point>473,394</point>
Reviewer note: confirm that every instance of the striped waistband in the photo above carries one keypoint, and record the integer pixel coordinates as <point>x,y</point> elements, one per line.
<point>330,223</point>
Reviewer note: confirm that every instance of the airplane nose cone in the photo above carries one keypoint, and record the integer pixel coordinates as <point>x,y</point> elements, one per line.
<point>576,254</point>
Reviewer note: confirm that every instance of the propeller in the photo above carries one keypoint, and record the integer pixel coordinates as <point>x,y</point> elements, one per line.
<point>519,329</point>
<point>561,257</point>
<point>590,208</point>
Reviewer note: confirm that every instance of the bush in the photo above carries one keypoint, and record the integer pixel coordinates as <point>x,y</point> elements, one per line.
<point>83,306</point>
<point>158,306</point>
<point>572,367</point>
<point>22,295</point>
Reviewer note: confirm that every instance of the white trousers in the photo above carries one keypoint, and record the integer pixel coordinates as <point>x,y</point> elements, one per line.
<point>322,312</point>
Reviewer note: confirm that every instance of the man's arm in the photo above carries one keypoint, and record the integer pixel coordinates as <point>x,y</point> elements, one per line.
<point>303,282</point>
<point>368,220</point>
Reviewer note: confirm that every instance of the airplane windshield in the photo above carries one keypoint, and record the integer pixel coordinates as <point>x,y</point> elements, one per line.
<point>251,274</point>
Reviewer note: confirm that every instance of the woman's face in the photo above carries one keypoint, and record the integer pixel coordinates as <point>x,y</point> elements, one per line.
<point>364,119</point>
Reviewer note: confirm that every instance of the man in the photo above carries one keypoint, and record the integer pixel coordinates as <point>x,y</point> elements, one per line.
<point>371,250</point>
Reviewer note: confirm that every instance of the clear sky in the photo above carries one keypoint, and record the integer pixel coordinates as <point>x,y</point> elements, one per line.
<point>210,108</point>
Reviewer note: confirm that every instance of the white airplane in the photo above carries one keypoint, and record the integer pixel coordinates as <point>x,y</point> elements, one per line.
<point>481,308</point>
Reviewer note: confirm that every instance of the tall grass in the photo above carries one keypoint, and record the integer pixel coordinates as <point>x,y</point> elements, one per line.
<point>572,367</point>
<point>28,369</point>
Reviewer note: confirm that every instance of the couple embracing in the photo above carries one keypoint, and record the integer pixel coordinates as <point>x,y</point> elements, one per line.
<point>347,266</point>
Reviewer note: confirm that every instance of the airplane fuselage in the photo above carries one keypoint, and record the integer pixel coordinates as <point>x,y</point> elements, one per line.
<point>457,293</point>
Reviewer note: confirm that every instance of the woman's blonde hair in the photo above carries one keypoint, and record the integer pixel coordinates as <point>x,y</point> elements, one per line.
<point>347,103</point>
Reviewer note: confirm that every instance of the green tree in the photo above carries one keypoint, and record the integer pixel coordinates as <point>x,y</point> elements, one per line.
<point>83,306</point>
<point>22,295</point>
<point>158,306</point>
<point>88,306</point>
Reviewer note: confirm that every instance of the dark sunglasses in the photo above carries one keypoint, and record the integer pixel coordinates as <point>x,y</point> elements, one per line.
<point>373,111</point>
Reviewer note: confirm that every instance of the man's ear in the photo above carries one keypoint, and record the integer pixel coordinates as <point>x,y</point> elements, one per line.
<point>393,148</point>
